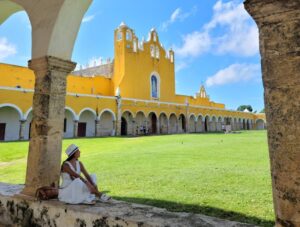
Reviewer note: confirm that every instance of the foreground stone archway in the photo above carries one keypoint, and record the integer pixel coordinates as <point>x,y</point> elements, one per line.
<point>51,54</point>
<point>278,22</point>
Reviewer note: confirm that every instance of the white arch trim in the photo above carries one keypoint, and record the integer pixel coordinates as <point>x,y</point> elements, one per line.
<point>259,119</point>
<point>129,112</point>
<point>171,115</point>
<point>27,113</point>
<point>153,112</point>
<point>209,118</point>
<point>87,109</point>
<point>162,113</point>
<point>222,118</point>
<point>200,115</point>
<point>214,116</point>
<point>192,114</point>
<point>106,110</point>
<point>21,116</point>
<point>141,113</point>
<point>75,117</point>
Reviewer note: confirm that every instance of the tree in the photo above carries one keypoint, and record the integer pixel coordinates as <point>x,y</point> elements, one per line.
<point>243,107</point>
<point>263,110</point>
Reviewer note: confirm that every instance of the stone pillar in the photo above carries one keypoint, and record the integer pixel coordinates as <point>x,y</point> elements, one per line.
<point>114,128</point>
<point>169,129</point>
<point>22,129</point>
<point>134,126</point>
<point>187,121</point>
<point>97,128</point>
<point>44,157</point>
<point>119,116</point>
<point>279,29</point>
<point>75,128</point>
<point>157,126</point>
<point>187,125</point>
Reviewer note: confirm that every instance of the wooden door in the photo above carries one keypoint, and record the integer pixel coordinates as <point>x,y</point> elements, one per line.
<point>2,131</point>
<point>81,129</point>
<point>123,126</point>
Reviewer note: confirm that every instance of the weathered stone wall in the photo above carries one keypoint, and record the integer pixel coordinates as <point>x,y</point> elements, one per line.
<point>16,211</point>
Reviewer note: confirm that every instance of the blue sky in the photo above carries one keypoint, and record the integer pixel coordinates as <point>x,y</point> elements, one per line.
<point>215,43</point>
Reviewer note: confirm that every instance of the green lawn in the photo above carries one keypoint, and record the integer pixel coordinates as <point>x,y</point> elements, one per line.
<point>220,175</point>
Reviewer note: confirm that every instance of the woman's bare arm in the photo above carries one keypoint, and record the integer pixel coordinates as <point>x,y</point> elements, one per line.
<point>67,169</point>
<point>86,174</point>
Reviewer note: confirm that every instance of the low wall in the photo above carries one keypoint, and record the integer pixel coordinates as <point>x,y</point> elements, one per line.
<point>16,210</point>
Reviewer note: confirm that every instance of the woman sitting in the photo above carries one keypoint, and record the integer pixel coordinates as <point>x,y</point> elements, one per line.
<point>74,188</point>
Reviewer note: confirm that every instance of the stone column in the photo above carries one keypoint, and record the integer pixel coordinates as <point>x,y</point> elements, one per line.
<point>279,29</point>
<point>157,127</point>
<point>169,130</point>
<point>44,157</point>
<point>187,121</point>
<point>97,127</point>
<point>232,124</point>
<point>114,128</point>
<point>22,129</point>
<point>187,125</point>
<point>75,128</point>
<point>134,126</point>
<point>119,116</point>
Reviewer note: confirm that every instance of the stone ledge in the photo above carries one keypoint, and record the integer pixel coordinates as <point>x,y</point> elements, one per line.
<point>16,210</point>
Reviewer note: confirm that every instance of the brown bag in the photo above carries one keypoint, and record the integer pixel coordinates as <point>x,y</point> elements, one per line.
<point>46,192</point>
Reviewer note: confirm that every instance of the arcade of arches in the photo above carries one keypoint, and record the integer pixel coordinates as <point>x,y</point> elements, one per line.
<point>16,125</point>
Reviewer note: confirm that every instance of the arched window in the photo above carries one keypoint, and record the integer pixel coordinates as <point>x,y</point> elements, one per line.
<point>157,52</point>
<point>172,58</point>
<point>128,35</point>
<point>152,51</point>
<point>119,35</point>
<point>134,46</point>
<point>154,37</point>
<point>154,86</point>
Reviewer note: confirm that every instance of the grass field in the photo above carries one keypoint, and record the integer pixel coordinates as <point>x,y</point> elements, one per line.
<point>219,175</point>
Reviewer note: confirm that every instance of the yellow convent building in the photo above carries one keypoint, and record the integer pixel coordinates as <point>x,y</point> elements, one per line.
<point>132,95</point>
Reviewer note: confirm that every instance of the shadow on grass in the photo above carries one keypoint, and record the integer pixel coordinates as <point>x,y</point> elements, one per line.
<point>205,210</point>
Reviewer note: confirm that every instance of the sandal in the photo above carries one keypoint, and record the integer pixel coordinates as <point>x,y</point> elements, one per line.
<point>104,198</point>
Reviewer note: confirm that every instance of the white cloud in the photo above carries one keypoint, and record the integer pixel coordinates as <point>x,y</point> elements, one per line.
<point>175,15</point>
<point>194,44</point>
<point>6,49</point>
<point>88,18</point>
<point>178,15</point>
<point>235,73</point>
<point>230,31</point>
<point>240,34</point>
<point>180,65</point>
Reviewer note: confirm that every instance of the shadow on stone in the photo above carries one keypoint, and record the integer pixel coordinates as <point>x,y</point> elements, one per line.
<point>199,209</point>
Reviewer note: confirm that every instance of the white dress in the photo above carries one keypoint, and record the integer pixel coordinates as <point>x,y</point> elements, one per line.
<point>75,191</point>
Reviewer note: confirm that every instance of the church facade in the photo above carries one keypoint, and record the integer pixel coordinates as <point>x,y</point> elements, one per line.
<point>132,95</point>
